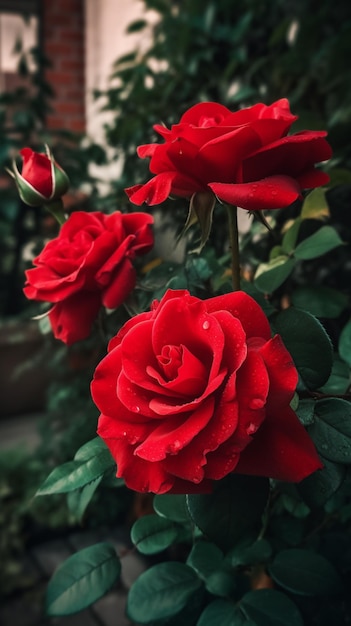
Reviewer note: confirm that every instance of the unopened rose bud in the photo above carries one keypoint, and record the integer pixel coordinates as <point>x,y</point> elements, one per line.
<point>42,181</point>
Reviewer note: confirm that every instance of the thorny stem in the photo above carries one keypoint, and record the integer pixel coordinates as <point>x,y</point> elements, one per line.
<point>234,245</point>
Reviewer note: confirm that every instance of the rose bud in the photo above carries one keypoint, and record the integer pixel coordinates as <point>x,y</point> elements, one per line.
<point>42,181</point>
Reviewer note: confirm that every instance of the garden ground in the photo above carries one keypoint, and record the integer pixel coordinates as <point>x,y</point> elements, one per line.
<point>26,607</point>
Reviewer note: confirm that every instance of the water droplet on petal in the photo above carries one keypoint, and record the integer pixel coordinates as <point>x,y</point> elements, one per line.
<point>124,433</point>
<point>256,403</point>
<point>251,429</point>
<point>135,409</point>
<point>206,325</point>
<point>175,446</point>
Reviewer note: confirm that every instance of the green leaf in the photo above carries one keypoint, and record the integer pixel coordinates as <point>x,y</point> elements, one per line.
<point>91,461</point>
<point>304,572</point>
<point>320,486</point>
<point>315,205</point>
<point>320,301</point>
<point>249,554</point>
<point>90,449</point>
<point>331,429</point>
<point>305,411</point>
<point>161,592</point>
<point>82,579</point>
<point>235,506</point>
<point>152,534</point>
<point>345,343</point>
<point>222,583</point>
<point>308,344</point>
<point>339,379</point>
<point>171,506</point>
<point>269,276</point>
<point>268,607</point>
<point>205,557</point>
<point>290,237</point>
<point>321,242</point>
<point>257,295</point>
<point>223,613</point>
<point>136,26</point>
<point>264,607</point>
<point>79,499</point>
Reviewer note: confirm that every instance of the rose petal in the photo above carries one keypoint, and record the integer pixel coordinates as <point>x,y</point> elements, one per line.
<point>37,171</point>
<point>289,156</point>
<point>71,320</point>
<point>190,379</point>
<point>173,434</point>
<point>121,282</point>
<point>104,389</point>
<point>138,474</point>
<point>243,307</point>
<point>282,372</point>
<point>155,191</point>
<point>281,449</point>
<point>202,111</point>
<point>274,192</point>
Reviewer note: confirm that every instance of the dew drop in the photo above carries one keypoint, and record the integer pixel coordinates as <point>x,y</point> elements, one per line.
<point>135,409</point>
<point>251,429</point>
<point>256,403</point>
<point>124,433</point>
<point>206,325</point>
<point>175,446</point>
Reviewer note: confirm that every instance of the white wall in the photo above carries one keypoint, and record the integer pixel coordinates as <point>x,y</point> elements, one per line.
<point>14,28</point>
<point>106,40</point>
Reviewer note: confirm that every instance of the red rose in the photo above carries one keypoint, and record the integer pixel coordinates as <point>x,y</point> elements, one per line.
<point>42,180</point>
<point>244,158</point>
<point>194,390</point>
<point>88,265</point>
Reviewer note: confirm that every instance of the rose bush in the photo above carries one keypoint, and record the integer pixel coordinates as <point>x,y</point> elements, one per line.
<point>194,390</point>
<point>87,265</point>
<point>245,158</point>
<point>42,180</point>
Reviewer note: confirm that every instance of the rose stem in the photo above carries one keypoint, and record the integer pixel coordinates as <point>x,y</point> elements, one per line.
<point>234,245</point>
<point>56,209</point>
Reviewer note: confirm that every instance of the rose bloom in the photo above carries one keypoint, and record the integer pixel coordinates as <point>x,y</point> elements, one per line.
<point>42,180</point>
<point>88,265</point>
<point>245,158</point>
<point>194,390</point>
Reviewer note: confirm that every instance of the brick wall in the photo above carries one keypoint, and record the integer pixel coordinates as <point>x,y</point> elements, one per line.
<point>63,45</point>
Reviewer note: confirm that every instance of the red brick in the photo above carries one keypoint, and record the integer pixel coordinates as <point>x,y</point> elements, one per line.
<point>71,108</point>
<point>77,126</point>
<point>59,7</point>
<point>59,78</point>
<point>73,94</point>
<point>73,67</point>
<point>63,44</point>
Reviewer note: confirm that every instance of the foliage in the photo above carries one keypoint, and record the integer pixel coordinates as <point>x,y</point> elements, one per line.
<point>254,551</point>
<point>23,113</point>
<point>236,54</point>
